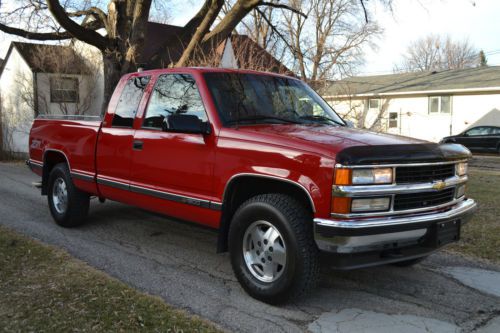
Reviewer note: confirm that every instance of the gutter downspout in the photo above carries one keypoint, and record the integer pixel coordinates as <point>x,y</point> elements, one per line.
<point>35,95</point>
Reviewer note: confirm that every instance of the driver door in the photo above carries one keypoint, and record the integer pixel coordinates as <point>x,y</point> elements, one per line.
<point>176,167</point>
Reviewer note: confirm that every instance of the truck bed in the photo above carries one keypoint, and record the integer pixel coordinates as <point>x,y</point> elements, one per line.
<point>73,136</point>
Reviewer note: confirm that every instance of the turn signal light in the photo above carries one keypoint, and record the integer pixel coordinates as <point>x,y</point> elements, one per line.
<point>341,205</point>
<point>343,176</point>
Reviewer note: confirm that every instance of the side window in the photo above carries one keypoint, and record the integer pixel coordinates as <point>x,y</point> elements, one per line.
<point>393,119</point>
<point>173,94</point>
<point>129,102</point>
<point>439,104</point>
<point>495,131</point>
<point>477,131</point>
<point>374,104</point>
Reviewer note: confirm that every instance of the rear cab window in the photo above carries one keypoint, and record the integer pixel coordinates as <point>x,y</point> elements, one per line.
<point>129,101</point>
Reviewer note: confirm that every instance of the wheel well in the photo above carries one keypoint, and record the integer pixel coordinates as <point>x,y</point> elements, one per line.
<point>243,188</point>
<point>50,159</point>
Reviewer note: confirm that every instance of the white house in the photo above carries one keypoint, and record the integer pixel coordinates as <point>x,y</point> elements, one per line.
<point>41,79</point>
<point>426,105</point>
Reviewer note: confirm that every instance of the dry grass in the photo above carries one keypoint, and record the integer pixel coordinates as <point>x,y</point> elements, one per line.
<point>481,236</point>
<point>43,289</point>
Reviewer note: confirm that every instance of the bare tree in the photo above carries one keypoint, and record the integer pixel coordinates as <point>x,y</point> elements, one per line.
<point>330,41</point>
<point>124,23</point>
<point>436,52</point>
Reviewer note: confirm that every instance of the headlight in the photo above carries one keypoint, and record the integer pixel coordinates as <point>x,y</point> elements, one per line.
<point>461,168</point>
<point>370,204</point>
<point>372,176</point>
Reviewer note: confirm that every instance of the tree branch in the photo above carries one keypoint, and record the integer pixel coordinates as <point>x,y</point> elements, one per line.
<point>278,5</point>
<point>211,15</point>
<point>80,32</point>
<point>364,10</point>
<point>45,35</point>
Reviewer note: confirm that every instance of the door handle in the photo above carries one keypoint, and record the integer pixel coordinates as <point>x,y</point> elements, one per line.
<point>137,145</point>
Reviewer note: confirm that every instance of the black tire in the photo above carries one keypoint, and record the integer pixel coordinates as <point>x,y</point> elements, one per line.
<point>294,224</point>
<point>77,204</point>
<point>410,262</point>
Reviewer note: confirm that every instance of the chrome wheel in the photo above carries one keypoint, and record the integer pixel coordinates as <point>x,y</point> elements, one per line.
<point>264,251</point>
<point>60,196</point>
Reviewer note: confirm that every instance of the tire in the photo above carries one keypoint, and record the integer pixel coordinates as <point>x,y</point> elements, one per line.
<point>288,241</point>
<point>410,262</point>
<point>68,205</point>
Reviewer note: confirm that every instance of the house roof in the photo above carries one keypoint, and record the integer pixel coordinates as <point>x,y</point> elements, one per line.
<point>479,79</point>
<point>246,50</point>
<point>156,35</point>
<point>47,58</point>
<point>250,54</point>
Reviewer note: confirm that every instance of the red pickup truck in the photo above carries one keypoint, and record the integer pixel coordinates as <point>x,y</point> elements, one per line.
<point>263,159</point>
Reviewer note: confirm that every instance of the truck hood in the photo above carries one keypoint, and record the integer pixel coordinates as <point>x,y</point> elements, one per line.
<point>350,146</point>
<point>329,139</point>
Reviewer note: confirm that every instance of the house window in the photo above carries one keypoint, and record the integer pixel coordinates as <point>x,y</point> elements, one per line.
<point>374,104</point>
<point>439,104</point>
<point>64,90</point>
<point>393,119</point>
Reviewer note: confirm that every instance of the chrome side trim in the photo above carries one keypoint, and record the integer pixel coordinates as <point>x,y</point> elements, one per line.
<point>161,194</point>
<point>464,207</point>
<point>340,166</point>
<point>113,183</point>
<point>388,189</point>
<point>302,187</point>
<point>170,197</point>
<point>34,164</point>
<point>81,176</point>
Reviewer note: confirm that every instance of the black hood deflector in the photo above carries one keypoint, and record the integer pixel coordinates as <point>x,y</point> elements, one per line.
<point>402,153</point>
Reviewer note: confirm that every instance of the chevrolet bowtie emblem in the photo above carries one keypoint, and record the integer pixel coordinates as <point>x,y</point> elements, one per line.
<point>439,185</point>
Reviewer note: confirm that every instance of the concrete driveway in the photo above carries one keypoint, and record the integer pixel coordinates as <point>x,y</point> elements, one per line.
<point>178,262</point>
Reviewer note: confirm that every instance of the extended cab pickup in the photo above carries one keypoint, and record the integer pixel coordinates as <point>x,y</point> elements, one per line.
<point>263,159</point>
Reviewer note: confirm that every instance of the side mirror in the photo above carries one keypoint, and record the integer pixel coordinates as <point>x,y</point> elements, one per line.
<point>349,123</point>
<point>186,123</point>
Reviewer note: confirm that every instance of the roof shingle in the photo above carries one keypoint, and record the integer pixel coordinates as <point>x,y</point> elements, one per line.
<point>478,78</point>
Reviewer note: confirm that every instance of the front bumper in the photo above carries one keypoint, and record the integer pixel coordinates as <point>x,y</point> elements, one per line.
<point>379,240</point>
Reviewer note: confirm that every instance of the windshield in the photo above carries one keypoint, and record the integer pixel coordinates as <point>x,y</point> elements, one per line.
<point>252,98</point>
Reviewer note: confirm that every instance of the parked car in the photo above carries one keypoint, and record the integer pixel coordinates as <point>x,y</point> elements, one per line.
<point>479,139</point>
<point>263,159</point>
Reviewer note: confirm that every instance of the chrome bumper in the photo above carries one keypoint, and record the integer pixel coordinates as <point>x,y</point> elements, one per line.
<point>379,233</point>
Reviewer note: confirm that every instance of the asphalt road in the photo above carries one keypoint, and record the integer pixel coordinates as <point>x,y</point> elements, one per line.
<point>178,263</point>
<point>485,161</point>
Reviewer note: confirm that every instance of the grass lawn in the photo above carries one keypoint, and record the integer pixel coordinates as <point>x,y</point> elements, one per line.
<point>43,289</point>
<point>481,236</point>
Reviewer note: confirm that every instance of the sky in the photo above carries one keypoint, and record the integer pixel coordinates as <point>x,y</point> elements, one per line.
<point>475,20</point>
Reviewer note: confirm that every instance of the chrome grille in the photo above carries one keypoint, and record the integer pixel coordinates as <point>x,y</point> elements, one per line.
<point>424,173</point>
<point>423,199</point>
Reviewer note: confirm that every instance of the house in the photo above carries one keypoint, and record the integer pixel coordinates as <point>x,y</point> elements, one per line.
<point>425,105</point>
<point>41,79</point>
<point>68,79</point>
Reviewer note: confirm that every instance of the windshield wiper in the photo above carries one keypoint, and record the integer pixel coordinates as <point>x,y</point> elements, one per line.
<point>323,119</point>
<point>264,117</point>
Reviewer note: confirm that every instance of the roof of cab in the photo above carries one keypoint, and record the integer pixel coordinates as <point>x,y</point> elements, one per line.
<point>207,70</point>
